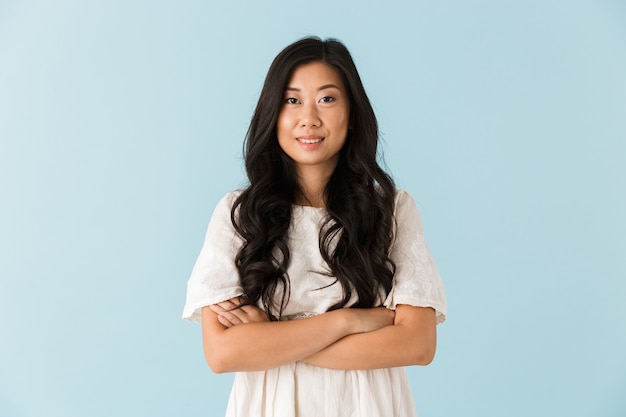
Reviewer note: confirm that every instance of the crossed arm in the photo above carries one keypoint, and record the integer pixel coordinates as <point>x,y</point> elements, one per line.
<point>244,339</point>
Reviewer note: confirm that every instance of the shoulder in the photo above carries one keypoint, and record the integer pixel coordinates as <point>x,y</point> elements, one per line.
<point>405,210</point>
<point>222,210</point>
<point>403,199</point>
<point>230,197</point>
<point>227,200</point>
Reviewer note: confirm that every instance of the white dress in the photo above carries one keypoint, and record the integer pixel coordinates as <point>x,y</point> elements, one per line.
<point>298,389</point>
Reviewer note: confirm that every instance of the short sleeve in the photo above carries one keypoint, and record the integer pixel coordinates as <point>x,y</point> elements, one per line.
<point>214,277</point>
<point>416,281</point>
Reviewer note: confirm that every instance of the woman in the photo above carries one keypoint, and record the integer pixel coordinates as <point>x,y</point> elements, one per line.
<point>314,283</point>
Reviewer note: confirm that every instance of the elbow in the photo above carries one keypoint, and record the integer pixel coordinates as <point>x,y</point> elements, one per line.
<point>424,358</point>
<point>217,362</point>
<point>218,354</point>
<point>424,354</point>
<point>218,370</point>
<point>216,366</point>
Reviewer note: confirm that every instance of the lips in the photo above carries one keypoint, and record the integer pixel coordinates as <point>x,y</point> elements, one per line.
<point>310,139</point>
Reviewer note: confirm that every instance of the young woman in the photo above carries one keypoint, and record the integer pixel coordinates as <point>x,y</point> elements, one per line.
<point>314,283</point>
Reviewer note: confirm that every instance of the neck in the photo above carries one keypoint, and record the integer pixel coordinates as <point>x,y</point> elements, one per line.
<point>312,184</point>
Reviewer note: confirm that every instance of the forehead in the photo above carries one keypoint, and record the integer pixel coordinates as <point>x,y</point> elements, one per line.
<point>315,74</point>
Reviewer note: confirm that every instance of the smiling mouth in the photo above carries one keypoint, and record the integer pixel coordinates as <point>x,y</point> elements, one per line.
<point>309,141</point>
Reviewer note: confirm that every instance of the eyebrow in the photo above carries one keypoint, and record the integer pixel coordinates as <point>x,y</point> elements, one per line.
<point>324,87</point>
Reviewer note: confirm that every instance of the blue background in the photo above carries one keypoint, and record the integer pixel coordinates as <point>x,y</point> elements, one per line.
<point>121,125</point>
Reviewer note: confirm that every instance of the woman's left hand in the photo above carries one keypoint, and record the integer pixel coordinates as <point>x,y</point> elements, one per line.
<point>229,313</point>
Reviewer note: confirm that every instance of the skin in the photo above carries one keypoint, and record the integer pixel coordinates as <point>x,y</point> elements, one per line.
<point>316,110</point>
<point>342,339</point>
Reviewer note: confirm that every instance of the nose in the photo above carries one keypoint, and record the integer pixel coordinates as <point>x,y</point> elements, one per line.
<point>309,116</point>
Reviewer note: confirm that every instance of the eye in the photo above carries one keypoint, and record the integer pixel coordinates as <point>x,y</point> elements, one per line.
<point>327,99</point>
<point>291,100</point>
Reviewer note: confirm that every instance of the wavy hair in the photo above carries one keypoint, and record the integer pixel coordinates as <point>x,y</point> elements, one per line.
<point>357,234</point>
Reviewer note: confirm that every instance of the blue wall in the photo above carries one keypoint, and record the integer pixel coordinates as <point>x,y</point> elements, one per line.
<point>121,125</point>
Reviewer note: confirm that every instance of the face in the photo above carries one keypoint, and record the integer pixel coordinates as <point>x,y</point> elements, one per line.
<point>313,121</point>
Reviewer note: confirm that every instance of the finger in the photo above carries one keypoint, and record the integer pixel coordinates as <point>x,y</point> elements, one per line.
<point>224,321</point>
<point>228,305</point>
<point>250,309</point>
<point>254,314</point>
<point>236,301</point>
<point>234,319</point>
<point>217,308</point>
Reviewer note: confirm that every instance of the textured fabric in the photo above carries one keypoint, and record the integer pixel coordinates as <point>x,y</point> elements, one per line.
<point>299,389</point>
<point>302,390</point>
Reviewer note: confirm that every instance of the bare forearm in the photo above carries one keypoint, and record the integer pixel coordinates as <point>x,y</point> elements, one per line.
<point>384,348</point>
<point>264,345</point>
<point>402,344</point>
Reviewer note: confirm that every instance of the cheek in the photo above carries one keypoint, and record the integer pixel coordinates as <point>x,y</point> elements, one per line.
<point>342,121</point>
<point>283,124</point>
<point>283,130</point>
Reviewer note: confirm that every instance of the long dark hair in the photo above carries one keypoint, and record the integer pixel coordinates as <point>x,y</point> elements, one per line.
<point>358,232</point>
